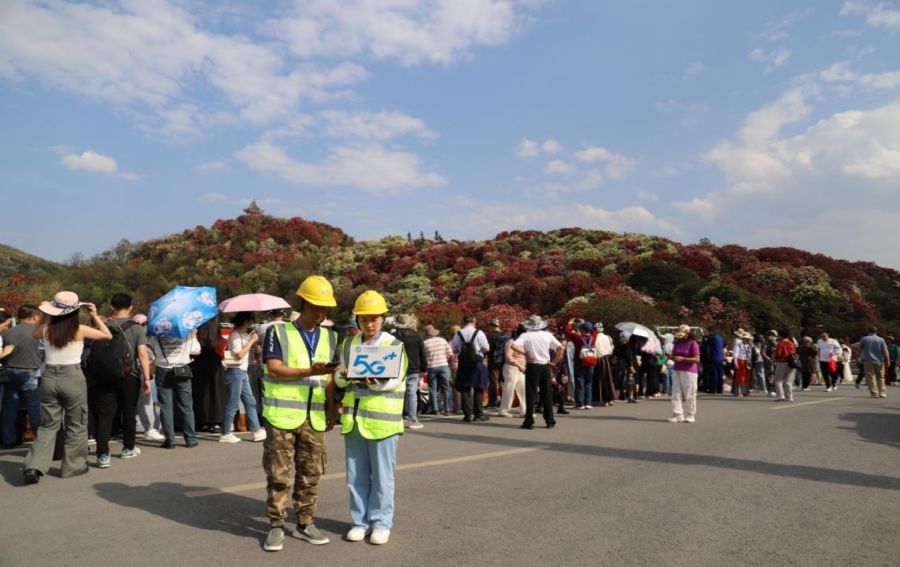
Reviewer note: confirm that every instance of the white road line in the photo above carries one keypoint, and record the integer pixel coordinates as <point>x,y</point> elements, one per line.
<point>788,405</point>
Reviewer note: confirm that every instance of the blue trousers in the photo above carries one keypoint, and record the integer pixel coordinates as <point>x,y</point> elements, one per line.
<point>440,378</point>
<point>584,384</point>
<point>411,401</point>
<point>180,390</point>
<point>237,388</point>
<point>370,478</point>
<point>714,377</point>
<point>22,386</point>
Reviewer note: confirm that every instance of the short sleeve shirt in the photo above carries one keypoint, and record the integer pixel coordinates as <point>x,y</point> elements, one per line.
<point>872,349</point>
<point>27,353</point>
<point>826,348</point>
<point>236,343</point>
<point>538,345</point>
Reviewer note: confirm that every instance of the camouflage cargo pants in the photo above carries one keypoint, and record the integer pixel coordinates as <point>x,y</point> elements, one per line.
<point>303,448</point>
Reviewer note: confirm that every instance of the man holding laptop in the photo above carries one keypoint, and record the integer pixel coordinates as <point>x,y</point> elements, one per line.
<point>298,408</point>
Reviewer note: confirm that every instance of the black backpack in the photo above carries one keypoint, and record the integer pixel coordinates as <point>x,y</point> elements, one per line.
<point>498,351</point>
<point>113,359</point>
<point>468,352</point>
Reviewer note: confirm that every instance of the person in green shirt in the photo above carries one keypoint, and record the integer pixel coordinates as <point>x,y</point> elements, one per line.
<point>894,353</point>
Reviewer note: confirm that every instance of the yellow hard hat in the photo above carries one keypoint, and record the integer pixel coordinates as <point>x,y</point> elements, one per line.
<point>370,303</point>
<point>317,291</point>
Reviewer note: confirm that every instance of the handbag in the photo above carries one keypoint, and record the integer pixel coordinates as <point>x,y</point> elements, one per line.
<point>794,362</point>
<point>179,372</point>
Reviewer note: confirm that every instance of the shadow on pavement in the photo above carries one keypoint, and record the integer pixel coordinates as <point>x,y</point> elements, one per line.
<point>802,472</point>
<point>229,513</point>
<point>878,428</point>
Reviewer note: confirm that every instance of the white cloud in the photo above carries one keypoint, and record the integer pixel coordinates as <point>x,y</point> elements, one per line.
<point>527,149</point>
<point>211,167</point>
<point>776,30</point>
<point>696,206</point>
<point>694,69</point>
<point>551,146</point>
<point>96,163</point>
<point>773,59</point>
<point>881,15</point>
<point>840,73</point>
<point>647,196</point>
<point>382,126</point>
<point>618,166</point>
<point>409,31</point>
<point>666,172</point>
<point>141,55</point>
<point>212,197</point>
<point>372,168</point>
<point>559,166</point>
<point>691,112</point>
<point>591,180</point>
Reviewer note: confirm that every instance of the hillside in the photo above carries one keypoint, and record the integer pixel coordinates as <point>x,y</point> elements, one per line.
<point>14,261</point>
<point>599,275</point>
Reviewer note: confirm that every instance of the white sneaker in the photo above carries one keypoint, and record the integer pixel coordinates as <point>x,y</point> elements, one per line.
<point>504,414</point>
<point>379,537</point>
<point>827,389</point>
<point>676,419</point>
<point>154,435</point>
<point>258,435</point>
<point>416,425</point>
<point>356,533</point>
<point>589,407</point>
<point>230,438</point>
<point>690,419</point>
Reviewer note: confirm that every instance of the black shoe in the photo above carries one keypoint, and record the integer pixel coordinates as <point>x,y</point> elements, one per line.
<point>191,445</point>
<point>551,425</point>
<point>215,429</point>
<point>167,445</point>
<point>10,445</point>
<point>563,411</point>
<point>482,418</point>
<point>467,419</point>
<point>32,476</point>
<point>526,426</point>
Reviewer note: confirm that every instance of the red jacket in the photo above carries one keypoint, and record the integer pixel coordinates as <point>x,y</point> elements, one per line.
<point>575,337</point>
<point>784,349</point>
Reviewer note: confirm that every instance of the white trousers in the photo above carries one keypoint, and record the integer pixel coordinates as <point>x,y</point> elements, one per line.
<point>684,393</point>
<point>513,383</point>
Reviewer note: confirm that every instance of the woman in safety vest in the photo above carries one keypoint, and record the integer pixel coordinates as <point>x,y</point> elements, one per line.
<point>372,423</point>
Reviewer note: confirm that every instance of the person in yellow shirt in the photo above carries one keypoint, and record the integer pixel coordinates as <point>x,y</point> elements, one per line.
<point>372,423</point>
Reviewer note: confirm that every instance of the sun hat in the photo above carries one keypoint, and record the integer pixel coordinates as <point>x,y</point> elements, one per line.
<point>683,331</point>
<point>431,331</point>
<point>599,327</point>
<point>63,303</point>
<point>494,322</point>
<point>535,323</point>
<point>140,319</point>
<point>406,321</point>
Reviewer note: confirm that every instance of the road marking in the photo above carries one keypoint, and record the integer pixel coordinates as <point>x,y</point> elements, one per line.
<point>335,476</point>
<point>788,405</point>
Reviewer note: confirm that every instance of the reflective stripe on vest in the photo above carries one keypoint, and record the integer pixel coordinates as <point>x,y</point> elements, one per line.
<point>288,403</point>
<point>378,414</point>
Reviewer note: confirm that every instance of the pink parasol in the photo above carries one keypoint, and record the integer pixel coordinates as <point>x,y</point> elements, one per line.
<point>253,302</point>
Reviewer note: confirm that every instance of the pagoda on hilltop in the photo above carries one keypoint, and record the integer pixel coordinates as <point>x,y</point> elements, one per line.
<point>253,209</point>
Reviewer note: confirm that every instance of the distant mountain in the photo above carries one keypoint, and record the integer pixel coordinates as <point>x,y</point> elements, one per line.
<point>598,275</point>
<point>14,261</point>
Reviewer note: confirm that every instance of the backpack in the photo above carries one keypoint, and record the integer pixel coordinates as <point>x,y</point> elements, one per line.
<point>112,359</point>
<point>468,352</point>
<point>222,342</point>
<point>498,351</point>
<point>588,355</point>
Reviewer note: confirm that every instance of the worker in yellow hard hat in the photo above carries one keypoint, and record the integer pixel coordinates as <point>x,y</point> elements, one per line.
<point>372,423</point>
<point>298,408</point>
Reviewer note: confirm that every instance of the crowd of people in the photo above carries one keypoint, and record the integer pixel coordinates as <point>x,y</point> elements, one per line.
<point>66,385</point>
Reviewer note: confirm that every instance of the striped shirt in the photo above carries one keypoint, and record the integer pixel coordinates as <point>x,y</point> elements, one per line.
<point>437,352</point>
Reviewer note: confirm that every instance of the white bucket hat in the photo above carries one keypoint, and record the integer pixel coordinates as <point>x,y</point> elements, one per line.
<point>535,323</point>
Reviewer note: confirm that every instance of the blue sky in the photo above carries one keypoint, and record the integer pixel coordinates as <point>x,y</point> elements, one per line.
<point>759,123</point>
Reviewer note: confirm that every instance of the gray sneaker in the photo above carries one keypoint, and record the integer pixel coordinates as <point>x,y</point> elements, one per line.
<point>311,534</point>
<point>103,461</point>
<point>275,541</point>
<point>130,453</point>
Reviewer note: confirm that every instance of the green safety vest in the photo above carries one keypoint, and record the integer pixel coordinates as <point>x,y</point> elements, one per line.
<point>288,403</point>
<point>377,414</point>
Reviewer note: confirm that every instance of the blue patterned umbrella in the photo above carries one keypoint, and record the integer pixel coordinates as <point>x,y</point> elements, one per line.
<point>181,311</point>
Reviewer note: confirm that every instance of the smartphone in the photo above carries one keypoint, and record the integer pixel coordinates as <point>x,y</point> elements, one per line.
<point>332,366</point>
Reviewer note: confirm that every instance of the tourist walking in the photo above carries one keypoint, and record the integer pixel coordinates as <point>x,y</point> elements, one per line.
<point>830,358</point>
<point>686,356</point>
<point>808,352</point>
<point>471,345</point>
<point>873,352</point>
<point>740,383</point>
<point>784,373</point>
<point>63,386</point>
<point>438,354</point>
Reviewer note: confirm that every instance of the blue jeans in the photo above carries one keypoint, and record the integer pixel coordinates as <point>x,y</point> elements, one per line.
<point>665,380</point>
<point>584,384</point>
<point>370,478</point>
<point>440,378</point>
<point>169,393</point>
<point>23,385</point>
<point>411,403</point>
<point>759,375</point>
<point>237,388</point>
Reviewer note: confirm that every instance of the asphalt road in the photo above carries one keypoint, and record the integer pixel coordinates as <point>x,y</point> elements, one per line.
<point>751,483</point>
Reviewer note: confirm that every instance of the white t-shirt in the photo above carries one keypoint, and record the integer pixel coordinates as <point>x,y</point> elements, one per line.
<point>481,342</point>
<point>537,345</point>
<point>827,347</point>
<point>174,352</point>
<point>604,345</point>
<point>741,351</point>
<point>236,343</point>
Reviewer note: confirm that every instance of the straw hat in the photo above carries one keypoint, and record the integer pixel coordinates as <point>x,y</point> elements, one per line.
<point>535,323</point>
<point>406,321</point>
<point>63,303</point>
<point>683,331</point>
